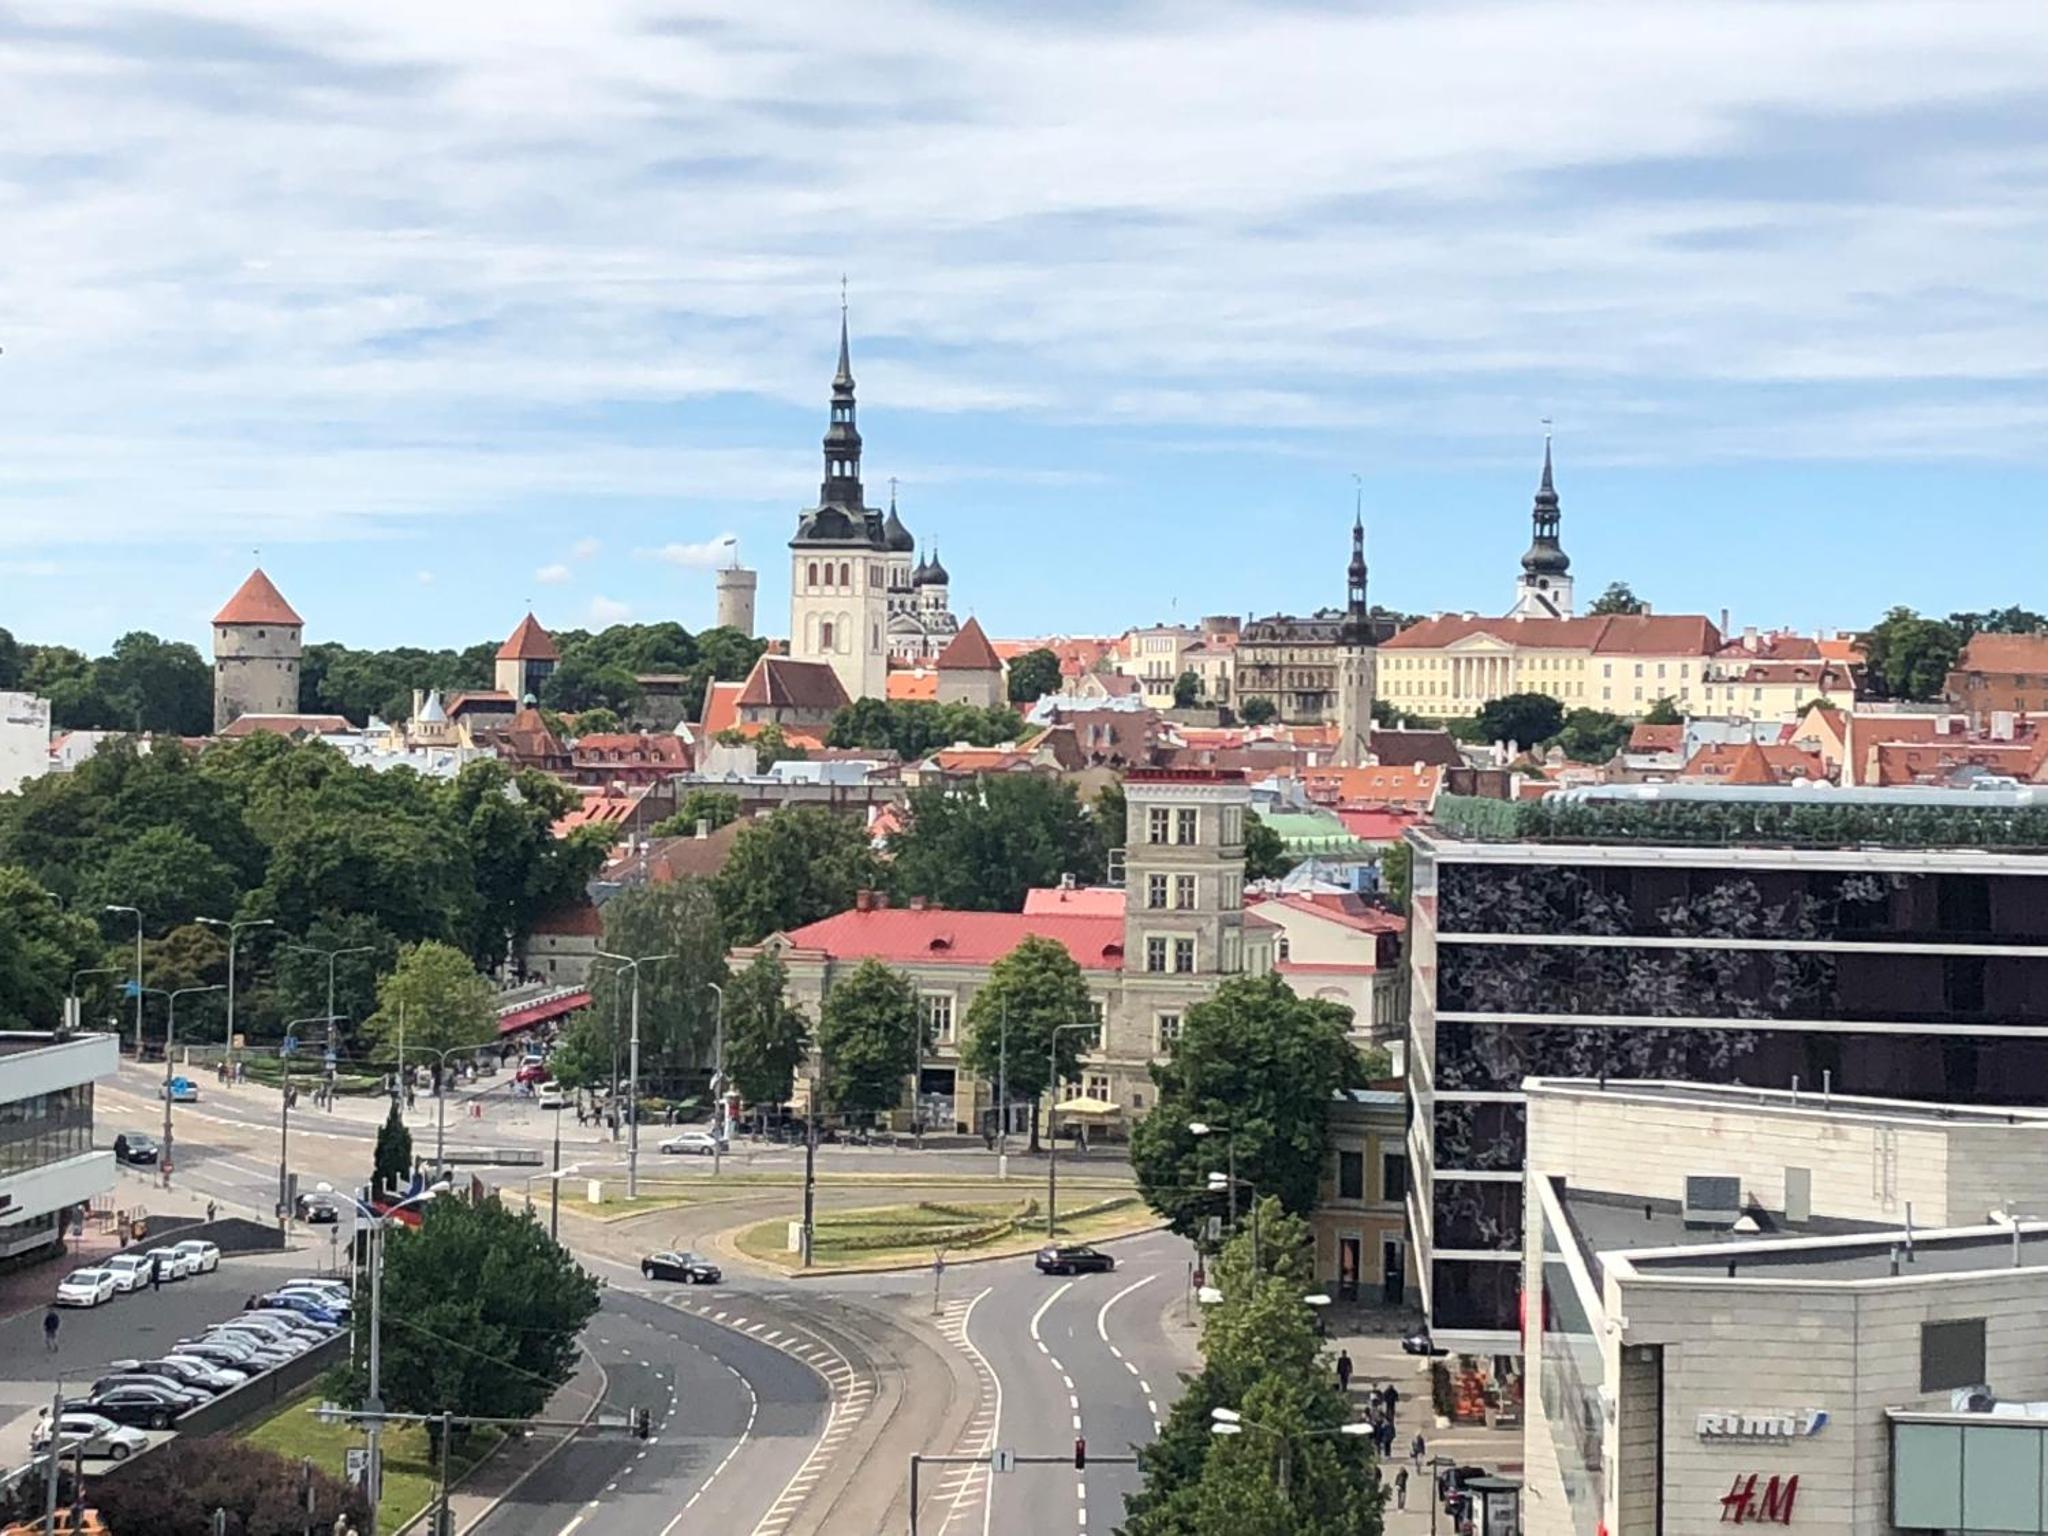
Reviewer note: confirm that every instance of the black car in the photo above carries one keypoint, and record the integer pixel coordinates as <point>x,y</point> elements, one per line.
<point>686,1267</point>
<point>138,1406</point>
<point>189,1395</point>
<point>133,1147</point>
<point>1420,1343</point>
<point>319,1211</point>
<point>1074,1259</point>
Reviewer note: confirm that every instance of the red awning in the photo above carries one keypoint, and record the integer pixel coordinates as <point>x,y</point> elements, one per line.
<point>514,1020</point>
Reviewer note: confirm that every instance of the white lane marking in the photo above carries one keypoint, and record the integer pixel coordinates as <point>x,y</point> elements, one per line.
<point>565,1530</point>
<point>753,1410</point>
<point>1102,1317</point>
<point>1044,1306</point>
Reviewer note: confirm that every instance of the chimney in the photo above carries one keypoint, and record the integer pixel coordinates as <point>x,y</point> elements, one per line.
<point>863,900</point>
<point>918,903</point>
<point>1749,638</point>
<point>1067,881</point>
<point>703,828</point>
<point>1724,623</point>
<point>419,701</point>
<point>2001,725</point>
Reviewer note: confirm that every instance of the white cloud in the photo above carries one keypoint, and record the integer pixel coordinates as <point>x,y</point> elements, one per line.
<point>426,578</point>
<point>702,556</point>
<point>552,575</point>
<point>607,610</point>
<point>586,549</point>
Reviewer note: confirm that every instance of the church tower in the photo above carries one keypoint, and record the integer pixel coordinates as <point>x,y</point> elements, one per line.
<point>840,559</point>
<point>255,654</point>
<point>1357,658</point>
<point>1544,589</point>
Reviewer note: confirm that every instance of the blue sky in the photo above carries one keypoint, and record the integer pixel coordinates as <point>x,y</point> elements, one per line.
<point>446,307</point>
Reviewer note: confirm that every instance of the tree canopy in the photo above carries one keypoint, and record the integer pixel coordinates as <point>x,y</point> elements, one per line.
<point>1187,691</point>
<point>981,845</point>
<point>1664,711</point>
<point>1523,718</point>
<point>708,805</point>
<point>796,867</point>
<point>435,1000</point>
<point>915,728</point>
<point>1265,851</point>
<point>1033,675</point>
<point>869,1036</point>
<point>1031,990</point>
<point>1258,710</point>
<point>766,1035</point>
<point>1591,735</point>
<point>1619,597</point>
<point>1909,657</point>
<point>678,1009</point>
<point>391,1159</point>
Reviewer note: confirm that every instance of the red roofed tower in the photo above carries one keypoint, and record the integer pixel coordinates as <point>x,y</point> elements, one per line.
<point>970,671</point>
<point>525,660</point>
<point>255,654</point>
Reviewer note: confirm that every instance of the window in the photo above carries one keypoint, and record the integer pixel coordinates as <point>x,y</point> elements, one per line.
<point>1350,1175</point>
<point>1951,1354</point>
<point>811,574</point>
<point>1097,1010</point>
<point>1167,1032</point>
<point>1230,892</point>
<point>1233,951</point>
<point>1184,957</point>
<point>1155,891</point>
<point>846,573</point>
<point>1184,891</point>
<point>1157,821</point>
<point>937,1008</point>
<point>825,635</point>
<point>1187,826</point>
<point>1283,946</point>
<point>1393,1176</point>
<point>1098,1086</point>
<point>1155,953</point>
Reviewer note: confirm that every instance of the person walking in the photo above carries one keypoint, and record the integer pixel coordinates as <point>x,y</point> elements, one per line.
<point>211,1208</point>
<point>1393,1401</point>
<point>1343,1370</point>
<point>51,1323</point>
<point>156,1274</point>
<point>1417,1450</point>
<point>1401,1489</point>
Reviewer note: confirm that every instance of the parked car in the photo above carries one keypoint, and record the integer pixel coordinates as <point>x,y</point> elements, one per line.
<point>553,1097</point>
<point>280,1339</point>
<point>86,1288</point>
<point>702,1143</point>
<point>171,1264</point>
<point>689,1268</point>
<point>316,1311</point>
<point>233,1352</point>
<point>195,1373</point>
<point>205,1256</point>
<point>531,1071</point>
<point>281,1322</point>
<point>1420,1343</point>
<point>187,1395</point>
<point>320,1285</point>
<point>94,1433</point>
<point>135,1148</point>
<point>179,1090</point>
<point>130,1271</point>
<point>140,1406</point>
<point>1073,1259</point>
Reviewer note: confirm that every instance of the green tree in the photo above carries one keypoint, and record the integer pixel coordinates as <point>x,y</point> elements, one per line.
<point>678,1009</point>
<point>772,745</point>
<point>582,1057</point>
<point>710,805</point>
<point>175,1490</point>
<point>1909,657</point>
<point>1033,675</point>
<point>392,1160</point>
<point>596,721</point>
<point>1110,812</point>
<point>983,845</point>
<point>168,873</point>
<point>1664,712</point>
<point>519,869</point>
<point>1265,852</point>
<point>40,946</point>
<point>868,1039</point>
<point>1523,718</point>
<point>481,1313</point>
<point>11,663</point>
<point>437,998</point>
<point>191,956</point>
<point>766,1035</point>
<point>1010,1023</point>
<point>158,685</point>
<point>1618,598</point>
<point>793,868</point>
<point>1258,710</point>
<point>1592,735</point>
<point>1264,1063</point>
<point>579,682</point>
<point>1998,621</point>
<point>1187,691</point>
<point>301,976</point>
<point>1394,718</point>
<point>1397,873</point>
<point>916,728</point>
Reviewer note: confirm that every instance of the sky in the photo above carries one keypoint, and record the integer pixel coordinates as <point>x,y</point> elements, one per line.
<point>448,308</point>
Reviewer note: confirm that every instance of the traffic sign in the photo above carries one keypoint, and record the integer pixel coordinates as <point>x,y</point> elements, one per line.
<point>357,1464</point>
<point>1002,1461</point>
<point>287,1045</point>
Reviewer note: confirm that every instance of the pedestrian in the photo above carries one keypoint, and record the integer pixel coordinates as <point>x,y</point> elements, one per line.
<point>1393,1399</point>
<point>210,1209</point>
<point>1417,1450</point>
<point>156,1274</point>
<point>1387,1438</point>
<point>1401,1489</point>
<point>51,1323</point>
<point>1343,1370</point>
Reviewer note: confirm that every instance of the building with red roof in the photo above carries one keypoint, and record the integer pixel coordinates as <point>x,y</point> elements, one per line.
<point>970,671</point>
<point>1999,674</point>
<point>256,653</point>
<point>526,660</point>
<point>627,758</point>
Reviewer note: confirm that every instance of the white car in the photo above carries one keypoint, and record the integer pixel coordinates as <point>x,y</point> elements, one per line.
<point>552,1096</point>
<point>204,1256</point>
<point>86,1288</point>
<point>95,1434</point>
<point>703,1143</point>
<point>175,1265</point>
<point>130,1271</point>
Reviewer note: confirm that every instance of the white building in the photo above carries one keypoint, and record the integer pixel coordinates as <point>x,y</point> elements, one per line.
<point>24,740</point>
<point>48,1166</point>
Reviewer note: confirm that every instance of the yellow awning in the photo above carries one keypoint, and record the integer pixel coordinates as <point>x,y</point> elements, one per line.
<point>1099,1109</point>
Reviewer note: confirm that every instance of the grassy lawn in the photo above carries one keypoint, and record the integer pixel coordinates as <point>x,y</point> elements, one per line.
<point>409,1471</point>
<point>895,1234</point>
<point>671,1194</point>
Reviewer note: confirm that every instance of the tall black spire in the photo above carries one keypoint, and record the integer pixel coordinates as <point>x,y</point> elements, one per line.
<point>1546,557</point>
<point>1357,628</point>
<point>842,487</point>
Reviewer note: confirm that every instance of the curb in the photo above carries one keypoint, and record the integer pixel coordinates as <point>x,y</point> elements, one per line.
<point>951,1263</point>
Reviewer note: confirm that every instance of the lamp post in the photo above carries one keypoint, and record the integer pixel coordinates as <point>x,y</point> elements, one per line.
<point>72,993</point>
<point>717,1083</point>
<point>1003,1094</point>
<point>170,1037</point>
<point>1219,1182</point>
<point>374,1404</point>
<point>443,1083</point>
<point>1052,1140</point>
<point>234,939</point>
<point>1228,1421</point>
<point>633,1068</point>
<point>136,913</point>
<point>331,956</point>
<point>284,1116</point>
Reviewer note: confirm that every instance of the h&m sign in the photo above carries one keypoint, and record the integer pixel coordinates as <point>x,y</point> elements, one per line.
<point>1794,1424</point>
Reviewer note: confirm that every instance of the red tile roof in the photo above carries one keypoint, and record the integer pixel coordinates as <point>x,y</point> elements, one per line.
<point>256,601</point>
<point>1373,786</point>
<point>582,921</point>
<point>1079,901</point>
<point>779,682</point>
<point>1656,738</point>
<point>918,684</point>
<point>2004,653</point>
<point>1339,907</point>
<point>1750,762</point>
<point>529,642</point>
<point>1613,634</point>
<point>969,651</point>
<point>721,707</point>
<point>1903,763</point>
<point>285,725</point>
<point>942,936</point>
<point>1378,825</point>
<point>630,747</point>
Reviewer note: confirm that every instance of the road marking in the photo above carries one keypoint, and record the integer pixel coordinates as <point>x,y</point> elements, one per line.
<point>1045,1306</point>
<point>1102,1317</point>
<point>565,1530</point>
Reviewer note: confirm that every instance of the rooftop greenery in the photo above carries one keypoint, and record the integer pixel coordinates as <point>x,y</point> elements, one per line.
<point>1819,824</point>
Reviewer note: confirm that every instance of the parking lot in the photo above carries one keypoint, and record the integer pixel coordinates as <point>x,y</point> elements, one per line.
<point>135,1326</point>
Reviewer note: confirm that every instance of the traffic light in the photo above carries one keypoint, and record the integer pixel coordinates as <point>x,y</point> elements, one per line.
<point>1080,1454</point>
<point>643,1424</point>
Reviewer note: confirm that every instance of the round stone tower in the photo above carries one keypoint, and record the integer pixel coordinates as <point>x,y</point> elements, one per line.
<point>255,654</point>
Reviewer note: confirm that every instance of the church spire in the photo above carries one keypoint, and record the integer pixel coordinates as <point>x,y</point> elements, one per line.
<point>841,487</point>
<point>1357,629</point>
<point>1546,557</point>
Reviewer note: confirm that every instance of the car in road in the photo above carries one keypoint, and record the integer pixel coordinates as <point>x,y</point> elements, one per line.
<point>553,1096</point>
<point>130,1271</point>
<point>702,1143</point>
<point>138,1405</point>
<point>178,1368</point>
<point>531,1071</point>
<point>319,1210</point>
<point>93,1434</point>
<point>205,1256</point>
<point>1073,1259</point>
<point>135,1148</point>
<point>690,1268</point>
<point>179,1090</point>
<point>86,1288</point>
<point>1420,1343</point>
<point>172,1264</point>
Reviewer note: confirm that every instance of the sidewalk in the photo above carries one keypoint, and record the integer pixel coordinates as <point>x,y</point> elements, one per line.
<point>1377,1361</point>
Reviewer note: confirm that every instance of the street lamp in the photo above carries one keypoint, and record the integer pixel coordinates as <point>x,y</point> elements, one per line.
<point>443,1082</point>
<point>1052,1140</point>
<point>374,1405</point>
<point>284,1113</point>
<point>331,955</point>
<point>717,1083</point>
<point>72,994</point>
<point>136,913</point>
<point>234,936</point>
<point>633,1068</point>
<point>1228,1421</point>
<point>170,1036</point>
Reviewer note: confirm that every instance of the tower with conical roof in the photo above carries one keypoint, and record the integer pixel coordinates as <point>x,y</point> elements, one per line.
<point>1544,589</point>
<point>1357,656</point>
<point>256,648</point>
<point>525,661</point>
<point>841,557</point>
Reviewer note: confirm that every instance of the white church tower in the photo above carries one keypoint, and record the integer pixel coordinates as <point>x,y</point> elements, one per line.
<point>1544,589</point>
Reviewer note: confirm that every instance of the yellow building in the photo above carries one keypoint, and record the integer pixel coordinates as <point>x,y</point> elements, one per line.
<point>1360,1221</point>
<point>1451,665</point>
